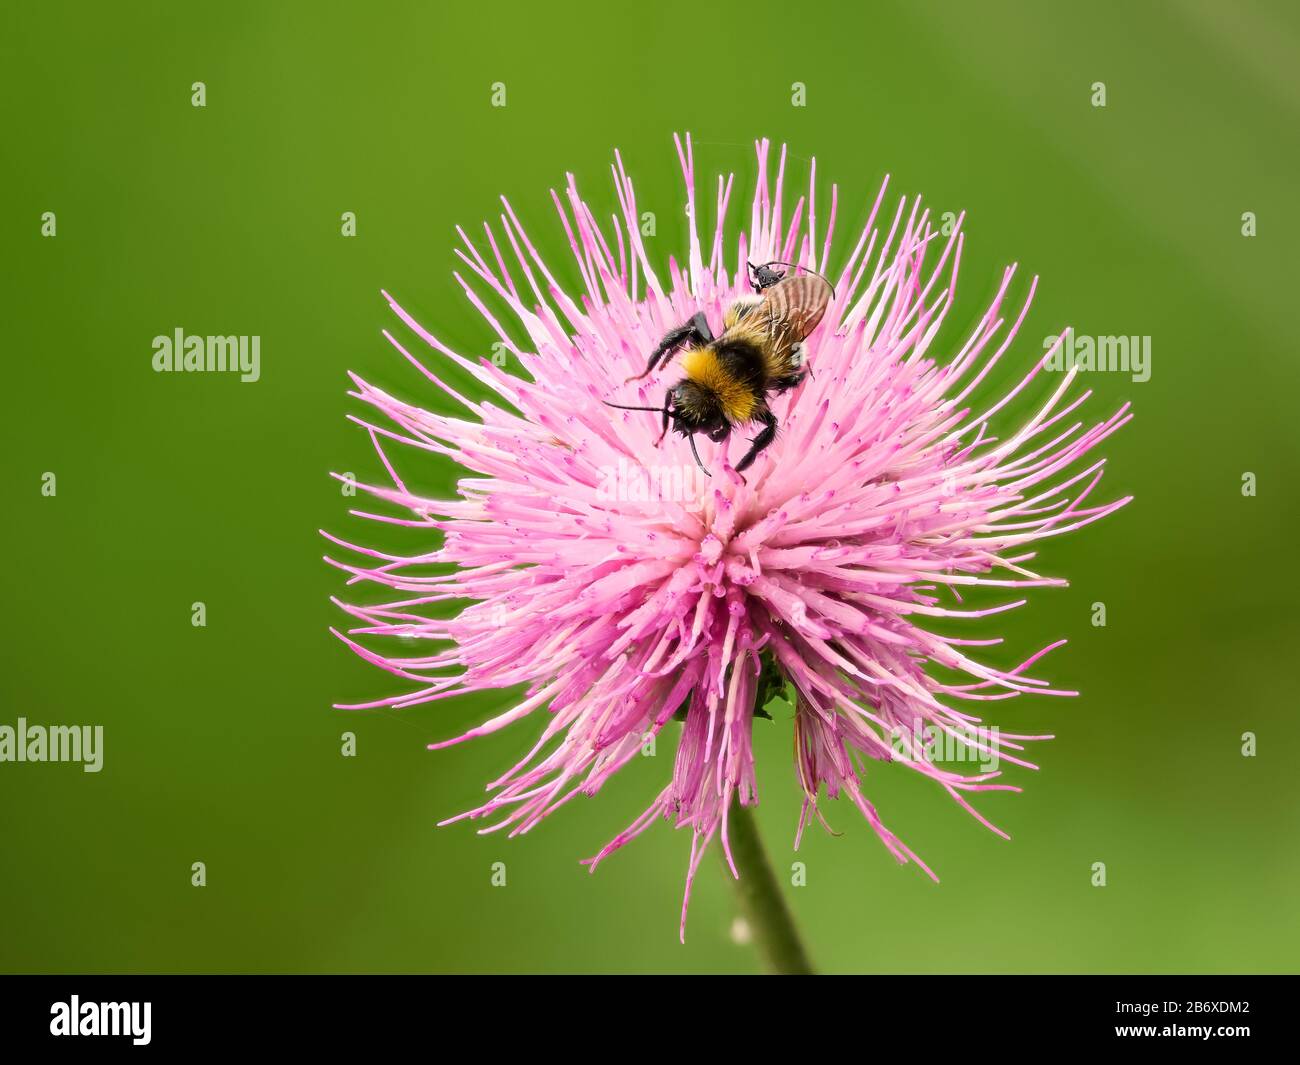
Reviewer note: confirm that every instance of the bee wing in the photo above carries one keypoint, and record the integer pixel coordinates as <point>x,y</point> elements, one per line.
<point>794,306</point>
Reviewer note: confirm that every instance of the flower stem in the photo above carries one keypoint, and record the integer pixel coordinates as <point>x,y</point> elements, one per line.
<point>760,900</point>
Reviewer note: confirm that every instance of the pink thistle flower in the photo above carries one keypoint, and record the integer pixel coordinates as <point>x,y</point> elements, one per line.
<point>618,597</point>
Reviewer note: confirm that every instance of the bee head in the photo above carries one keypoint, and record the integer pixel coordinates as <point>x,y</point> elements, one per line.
<point>696,409</point>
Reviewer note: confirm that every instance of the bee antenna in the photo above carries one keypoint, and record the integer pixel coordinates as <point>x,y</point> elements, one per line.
<point>697,456</point>
<point>805,269</point>
<point>620,406</point>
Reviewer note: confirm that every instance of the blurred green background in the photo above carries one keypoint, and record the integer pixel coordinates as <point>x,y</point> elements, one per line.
<point>220,744</point>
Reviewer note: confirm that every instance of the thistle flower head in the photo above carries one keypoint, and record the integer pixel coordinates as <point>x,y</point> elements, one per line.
<point>624,589</point>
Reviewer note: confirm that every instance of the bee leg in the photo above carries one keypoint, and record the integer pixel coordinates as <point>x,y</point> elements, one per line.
<point>696,332</point>
<point>789,381</point>
<point>766,435</point>
<point>667,414</point>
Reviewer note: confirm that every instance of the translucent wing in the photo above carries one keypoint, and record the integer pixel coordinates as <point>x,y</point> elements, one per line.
<point>792,308</point>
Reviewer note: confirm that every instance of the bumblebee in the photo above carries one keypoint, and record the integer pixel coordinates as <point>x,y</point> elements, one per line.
<point>728,379</point>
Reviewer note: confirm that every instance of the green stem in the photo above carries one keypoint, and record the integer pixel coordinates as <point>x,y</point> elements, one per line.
<point>760,899</point>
